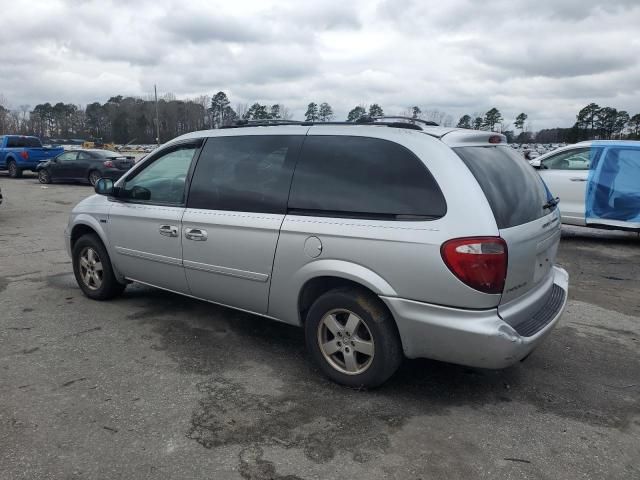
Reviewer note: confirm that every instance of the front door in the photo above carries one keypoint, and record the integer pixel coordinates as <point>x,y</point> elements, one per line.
<point>80,170</point>
<point>62,167</point>
<point>144,221</point>
<point>237,203</point>
<point>566,175</point>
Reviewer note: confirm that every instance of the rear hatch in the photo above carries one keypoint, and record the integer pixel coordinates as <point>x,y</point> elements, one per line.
<point>527,220</point>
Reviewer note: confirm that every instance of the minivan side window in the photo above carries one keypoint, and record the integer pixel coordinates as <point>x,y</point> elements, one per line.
<point>245,173</point>
<point>362,177</point>
<point>163,181</point>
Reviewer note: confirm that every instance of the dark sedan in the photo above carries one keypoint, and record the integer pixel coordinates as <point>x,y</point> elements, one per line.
<point>84,166</point>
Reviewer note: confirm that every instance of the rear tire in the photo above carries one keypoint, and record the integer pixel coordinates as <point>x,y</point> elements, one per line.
<point>92,269</point>
<point>94,176</point>
<point>14,171</point>
<point>352,337</point>
<point>44,176</point>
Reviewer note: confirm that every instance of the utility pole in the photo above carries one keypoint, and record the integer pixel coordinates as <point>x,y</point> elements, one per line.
<point>155,91</point>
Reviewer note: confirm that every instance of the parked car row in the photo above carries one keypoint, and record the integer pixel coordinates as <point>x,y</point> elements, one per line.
<point>19,153</point>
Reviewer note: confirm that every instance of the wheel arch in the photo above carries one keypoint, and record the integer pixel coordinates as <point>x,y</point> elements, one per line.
<point>81,229</point>
<point>85,224</point>
<point>322,276</point>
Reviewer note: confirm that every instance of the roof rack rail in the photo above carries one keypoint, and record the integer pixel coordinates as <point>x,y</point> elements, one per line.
<point>270,120</point>
<point>409,119</point>
<point>408,122</point>
<point>263,122</point>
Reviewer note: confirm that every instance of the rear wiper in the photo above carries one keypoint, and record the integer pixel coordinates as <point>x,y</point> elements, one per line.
<point>551,203</point>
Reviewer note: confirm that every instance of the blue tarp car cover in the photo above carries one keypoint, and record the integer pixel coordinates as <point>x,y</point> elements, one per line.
<point>613,185</point>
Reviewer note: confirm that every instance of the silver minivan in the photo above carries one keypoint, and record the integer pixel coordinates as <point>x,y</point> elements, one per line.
<point>384,240</point>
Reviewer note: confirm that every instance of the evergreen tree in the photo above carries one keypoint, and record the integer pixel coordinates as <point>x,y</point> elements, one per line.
<point>375,110</point>
<point>520,119</point>
<point>464,122</point>
<point>257,112</point>
<point>312,112</point>
<point>219,103</point>
<point>356,113</point>
<point>492,118</point>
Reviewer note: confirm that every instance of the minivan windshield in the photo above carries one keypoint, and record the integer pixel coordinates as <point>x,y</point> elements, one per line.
<point>516,193</point>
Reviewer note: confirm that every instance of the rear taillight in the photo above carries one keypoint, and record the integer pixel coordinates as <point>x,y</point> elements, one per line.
<point>24,154</point>
<point>109,164</point>
<point>480,262</point>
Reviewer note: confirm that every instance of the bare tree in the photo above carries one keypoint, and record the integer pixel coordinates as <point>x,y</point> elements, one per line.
<point>241,109</point>
<point>285,113</point>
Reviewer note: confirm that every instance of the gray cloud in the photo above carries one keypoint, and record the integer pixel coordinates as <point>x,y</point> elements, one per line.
<point>547,58</point>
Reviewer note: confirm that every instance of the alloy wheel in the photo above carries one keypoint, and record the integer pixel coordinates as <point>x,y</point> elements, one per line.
<point>93,178</point>
<point>346,341</point>
<point>91,270</point>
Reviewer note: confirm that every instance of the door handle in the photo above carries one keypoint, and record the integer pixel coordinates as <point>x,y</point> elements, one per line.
<point>168,230</point>
<point>195,234</point>
<point>578,179</point>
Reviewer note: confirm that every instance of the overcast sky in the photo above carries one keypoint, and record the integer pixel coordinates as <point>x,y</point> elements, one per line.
<point>547,58</point>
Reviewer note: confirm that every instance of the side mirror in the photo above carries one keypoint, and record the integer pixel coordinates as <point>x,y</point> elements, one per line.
<point>535,163</point>
<point>140,193</point>
<point>104,186</point>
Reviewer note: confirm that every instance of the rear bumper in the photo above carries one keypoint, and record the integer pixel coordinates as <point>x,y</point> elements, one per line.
<point>477,338</point>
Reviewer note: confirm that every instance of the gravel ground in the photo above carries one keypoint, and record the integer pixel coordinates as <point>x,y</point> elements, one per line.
<point>154,385</point>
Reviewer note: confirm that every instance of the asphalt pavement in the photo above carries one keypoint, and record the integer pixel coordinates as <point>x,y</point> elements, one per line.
<point>154,385</point>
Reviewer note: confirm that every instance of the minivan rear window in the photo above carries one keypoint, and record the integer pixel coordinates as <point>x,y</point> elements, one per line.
<point>515,191</point>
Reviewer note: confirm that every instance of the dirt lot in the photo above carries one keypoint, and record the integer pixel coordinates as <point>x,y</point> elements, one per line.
<point>153,385</point>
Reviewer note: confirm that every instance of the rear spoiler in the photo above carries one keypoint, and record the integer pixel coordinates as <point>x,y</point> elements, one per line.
<point>472,138</point>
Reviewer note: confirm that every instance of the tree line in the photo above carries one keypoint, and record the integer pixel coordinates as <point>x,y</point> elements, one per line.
<point>592,123</point>
<point>130,119</point>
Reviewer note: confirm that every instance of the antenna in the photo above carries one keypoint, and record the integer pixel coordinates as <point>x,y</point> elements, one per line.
<point>155,91</point>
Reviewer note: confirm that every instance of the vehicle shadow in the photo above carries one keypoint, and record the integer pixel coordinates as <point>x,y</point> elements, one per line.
<point>240,355</point>
<point>25,176</point>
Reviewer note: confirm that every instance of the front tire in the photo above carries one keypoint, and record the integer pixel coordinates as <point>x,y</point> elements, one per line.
<point>14,171</point>
<point>92,269</point>
<point>94,176</point>
<point>44,176</point>
<point>352,337</point>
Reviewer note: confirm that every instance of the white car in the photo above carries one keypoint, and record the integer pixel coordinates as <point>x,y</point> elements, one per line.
<point>566,173</point>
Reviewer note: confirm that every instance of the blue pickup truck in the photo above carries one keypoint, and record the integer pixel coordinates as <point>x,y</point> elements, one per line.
<point>19,153</point>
